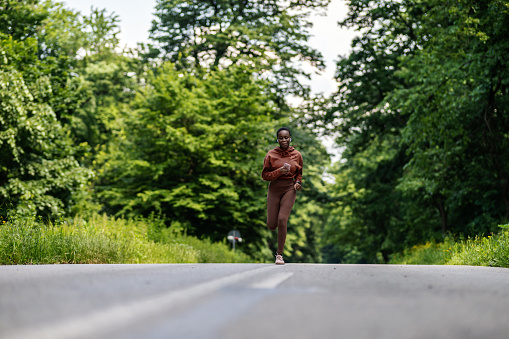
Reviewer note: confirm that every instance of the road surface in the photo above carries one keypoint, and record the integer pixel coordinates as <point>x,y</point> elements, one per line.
<point>253,301</point>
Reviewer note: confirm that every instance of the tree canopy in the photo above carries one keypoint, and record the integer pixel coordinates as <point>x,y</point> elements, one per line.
<point>179,128</point>
<point>420,113</point>
<point>39,165</point>
<point>265,35</point>
<point>86,127</point>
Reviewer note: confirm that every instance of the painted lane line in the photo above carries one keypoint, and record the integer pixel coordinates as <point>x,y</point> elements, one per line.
<point>101,321</point>
<point>272,282</point>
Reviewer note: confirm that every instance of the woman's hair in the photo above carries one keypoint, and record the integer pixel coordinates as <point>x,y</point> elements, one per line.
<point>283,129</point>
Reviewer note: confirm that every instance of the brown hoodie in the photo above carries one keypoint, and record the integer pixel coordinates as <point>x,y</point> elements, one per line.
<point>276,158</point>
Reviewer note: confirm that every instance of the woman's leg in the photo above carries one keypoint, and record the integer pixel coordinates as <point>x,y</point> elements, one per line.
<point>273,201</point>
<point>285,207</point>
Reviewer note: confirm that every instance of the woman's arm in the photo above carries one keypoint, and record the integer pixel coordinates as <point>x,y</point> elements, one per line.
<point>298,172</point>
<point>267,174</point>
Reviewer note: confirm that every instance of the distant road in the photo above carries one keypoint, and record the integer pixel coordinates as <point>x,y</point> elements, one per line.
<point>253,301</point>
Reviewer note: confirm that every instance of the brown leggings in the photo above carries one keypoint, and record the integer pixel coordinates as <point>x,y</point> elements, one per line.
<point>280,200</point>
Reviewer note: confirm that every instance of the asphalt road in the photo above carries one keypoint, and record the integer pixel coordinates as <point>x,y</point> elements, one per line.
<point>253,301</point>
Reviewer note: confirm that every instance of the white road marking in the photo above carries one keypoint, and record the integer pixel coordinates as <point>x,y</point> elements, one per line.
<point>85,326</point>
<point>272,282</point>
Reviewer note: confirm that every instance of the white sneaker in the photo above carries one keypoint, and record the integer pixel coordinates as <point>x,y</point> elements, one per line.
<point>279,259</point>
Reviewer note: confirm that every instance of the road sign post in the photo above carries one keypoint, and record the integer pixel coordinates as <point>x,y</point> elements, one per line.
<point>233,237</point>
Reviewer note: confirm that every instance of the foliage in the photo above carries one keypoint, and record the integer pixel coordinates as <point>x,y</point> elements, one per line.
<point>191,150</point>
<point>214,252</point>
<point>20,19</point>
<point>87,127</point>
<point>174,243</point>
<point>106,83</point>
<point>65,85</point>
<point>456,134</point>
<point>107,91</point>
<point>265,35</point>
<point>492,250</point>
<point>37,162</point>
<point>364,220</point>
<point>420,114</point>
<point>181,129</point>
<point>25,239</point>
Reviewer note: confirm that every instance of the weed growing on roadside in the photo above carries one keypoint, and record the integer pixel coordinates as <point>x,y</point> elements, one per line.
<point>492,250</point>
<point>25,239</point>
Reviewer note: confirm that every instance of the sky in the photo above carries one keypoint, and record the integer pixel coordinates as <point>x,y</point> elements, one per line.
<point>136,17</point>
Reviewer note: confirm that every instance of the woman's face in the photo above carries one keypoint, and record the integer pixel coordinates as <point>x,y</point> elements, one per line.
<point>283,138</point>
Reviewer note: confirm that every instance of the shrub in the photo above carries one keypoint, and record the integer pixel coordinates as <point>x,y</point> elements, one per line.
<point>103,239</point>
<point>492,250</point>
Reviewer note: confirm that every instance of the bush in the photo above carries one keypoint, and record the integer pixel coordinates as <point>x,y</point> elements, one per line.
<point>102,239</point>
<point>26,240</point>
<point>492,250</point>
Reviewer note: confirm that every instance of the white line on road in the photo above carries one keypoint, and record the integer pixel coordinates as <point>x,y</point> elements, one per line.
<point>273,281</point>
<point>121,315</point>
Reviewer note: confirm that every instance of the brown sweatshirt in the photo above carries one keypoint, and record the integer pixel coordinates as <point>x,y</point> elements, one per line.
<point>276,158</point>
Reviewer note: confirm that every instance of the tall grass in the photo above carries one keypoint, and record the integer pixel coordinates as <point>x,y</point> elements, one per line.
<point>492,250</point>
<point>103,239</point>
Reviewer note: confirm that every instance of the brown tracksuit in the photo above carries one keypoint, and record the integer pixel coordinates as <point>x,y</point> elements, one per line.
<point>281,195</point>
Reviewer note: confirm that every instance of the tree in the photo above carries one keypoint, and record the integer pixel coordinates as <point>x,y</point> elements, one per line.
<point>418,112</point>
<point>457,134</point>
<point>265,35</point>
<point>39,159</point>
<point>191,150</point>
<point>88,44</point>
<point>364,215</point>
<point>21,19</point>
<point>37,164</point>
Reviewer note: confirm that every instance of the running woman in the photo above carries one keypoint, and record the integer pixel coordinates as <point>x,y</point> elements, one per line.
<point>283,168</point>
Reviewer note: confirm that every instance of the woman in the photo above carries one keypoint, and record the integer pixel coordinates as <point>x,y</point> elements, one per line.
<point>283,168</point>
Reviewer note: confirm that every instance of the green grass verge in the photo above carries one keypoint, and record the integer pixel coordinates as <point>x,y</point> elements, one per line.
<point>101,239</point>
<point>479,251</point>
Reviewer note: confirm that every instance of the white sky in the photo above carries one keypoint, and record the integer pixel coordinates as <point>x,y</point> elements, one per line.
<point>136,18</point>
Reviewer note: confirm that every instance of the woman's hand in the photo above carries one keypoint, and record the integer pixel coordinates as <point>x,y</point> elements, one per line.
<point>284,170</point>
<point>297,186</point>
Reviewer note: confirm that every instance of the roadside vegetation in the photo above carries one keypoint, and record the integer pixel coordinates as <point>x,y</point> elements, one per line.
<point>101,139</point>
<point>492,250</point>
<point>100,239</point>
<point>178,128</point>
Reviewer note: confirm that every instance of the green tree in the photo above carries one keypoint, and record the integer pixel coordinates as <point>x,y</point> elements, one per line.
<point>21,19</point>
<point>37,164</point>
<point>39,160</point>
<point>457,134</point>
<point>420,114</point>
<point>106,77</point>
<point>192,150</point>
<point>364,216</point>
<point>265,35</point>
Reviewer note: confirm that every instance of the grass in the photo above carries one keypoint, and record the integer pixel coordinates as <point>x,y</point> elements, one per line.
<point>492,250</point>
<point>105,240</point>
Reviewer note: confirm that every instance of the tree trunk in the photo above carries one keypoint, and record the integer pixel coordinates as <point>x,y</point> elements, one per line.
<point>504,182</point>
<point>443,213</point>
<point>495,139</point>
<point>220,52</point>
